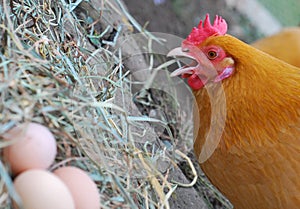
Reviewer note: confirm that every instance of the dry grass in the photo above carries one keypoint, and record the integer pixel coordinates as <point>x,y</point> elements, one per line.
<point>49,74</point>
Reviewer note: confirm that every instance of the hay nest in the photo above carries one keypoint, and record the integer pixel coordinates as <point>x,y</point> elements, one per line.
<point>59,68</point>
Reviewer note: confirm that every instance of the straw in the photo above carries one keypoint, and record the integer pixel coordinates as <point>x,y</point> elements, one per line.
<point>52,74</point>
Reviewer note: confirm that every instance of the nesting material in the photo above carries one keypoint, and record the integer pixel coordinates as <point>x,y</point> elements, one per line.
<point>59,69</point>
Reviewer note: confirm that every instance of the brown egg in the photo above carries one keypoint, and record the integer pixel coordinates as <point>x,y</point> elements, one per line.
<point>34,147</point>
<point>81,186</point>
<point>40,189</point>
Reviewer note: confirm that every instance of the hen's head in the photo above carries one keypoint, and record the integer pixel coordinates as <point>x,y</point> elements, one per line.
<point>210,62</point>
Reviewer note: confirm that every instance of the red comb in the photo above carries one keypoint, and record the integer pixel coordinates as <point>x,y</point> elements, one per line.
<point>203,31</point>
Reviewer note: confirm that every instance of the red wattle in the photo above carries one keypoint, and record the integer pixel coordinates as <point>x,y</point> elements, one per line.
<point>195,82</point>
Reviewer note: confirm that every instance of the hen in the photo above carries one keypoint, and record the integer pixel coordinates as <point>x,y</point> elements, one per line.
<point>256,160</point>
<point>284,45</point>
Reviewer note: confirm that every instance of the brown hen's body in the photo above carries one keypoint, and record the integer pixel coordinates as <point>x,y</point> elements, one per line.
<point>284,45</point>
<point>257,162</point>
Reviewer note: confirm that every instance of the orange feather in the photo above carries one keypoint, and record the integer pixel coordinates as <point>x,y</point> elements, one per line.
<point>257,162</point>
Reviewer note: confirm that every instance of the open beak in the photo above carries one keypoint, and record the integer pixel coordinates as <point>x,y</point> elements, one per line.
<point>200,65</point>
<point>189,69</point>
<point>201,70</point>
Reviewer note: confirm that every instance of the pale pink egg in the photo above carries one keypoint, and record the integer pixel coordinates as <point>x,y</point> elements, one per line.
<point>34,147</point>
<point>40,189</point>
<point>81,186</point>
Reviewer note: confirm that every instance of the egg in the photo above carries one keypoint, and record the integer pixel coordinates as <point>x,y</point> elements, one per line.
<point>81,186</point>
<point>34,147</point>
<point>40,189</point>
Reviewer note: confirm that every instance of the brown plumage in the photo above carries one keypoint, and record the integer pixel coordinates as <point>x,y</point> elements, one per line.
<point>257,162</point>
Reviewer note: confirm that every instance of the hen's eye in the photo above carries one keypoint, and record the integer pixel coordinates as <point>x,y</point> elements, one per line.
<point>212,55</point>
